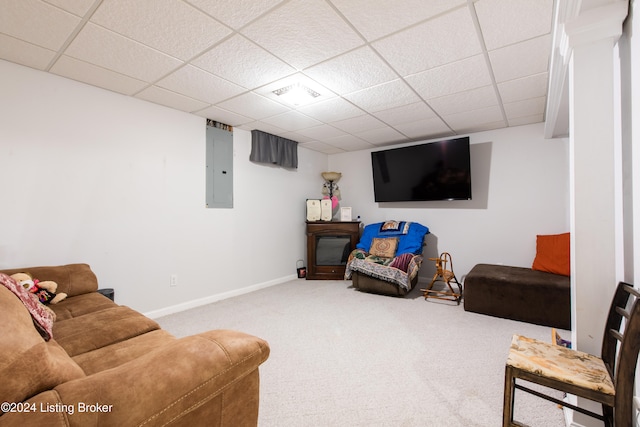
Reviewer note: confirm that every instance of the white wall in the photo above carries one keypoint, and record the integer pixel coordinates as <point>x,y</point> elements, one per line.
<point>92,176</point>
<point>88,175</point>
<point>630,94</point>
<point>520,185</point>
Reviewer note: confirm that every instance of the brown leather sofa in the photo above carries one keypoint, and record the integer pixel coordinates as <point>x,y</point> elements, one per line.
<point>111,366</point>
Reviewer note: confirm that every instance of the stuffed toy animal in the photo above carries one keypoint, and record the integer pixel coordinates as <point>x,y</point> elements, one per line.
<point>45,290</point>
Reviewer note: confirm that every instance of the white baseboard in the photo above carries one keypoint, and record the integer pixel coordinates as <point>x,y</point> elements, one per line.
<point>217,297</point>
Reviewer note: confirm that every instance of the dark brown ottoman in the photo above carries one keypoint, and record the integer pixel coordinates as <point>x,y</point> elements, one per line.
<point>520,294</point>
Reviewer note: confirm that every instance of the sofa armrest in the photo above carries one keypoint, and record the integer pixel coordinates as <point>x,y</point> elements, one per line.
<point>186,378</point>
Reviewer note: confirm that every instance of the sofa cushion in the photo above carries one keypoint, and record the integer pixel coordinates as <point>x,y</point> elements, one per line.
<point>81,305</point>
<point>96,330</point>
<point>72,279</point>
<point>41,367</point>
<point>28,364</point>
<point>122,352</point>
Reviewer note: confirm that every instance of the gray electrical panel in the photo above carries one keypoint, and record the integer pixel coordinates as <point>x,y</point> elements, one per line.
<point>219,172</point>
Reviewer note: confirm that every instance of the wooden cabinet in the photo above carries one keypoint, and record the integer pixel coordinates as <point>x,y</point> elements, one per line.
<point>329,244</point>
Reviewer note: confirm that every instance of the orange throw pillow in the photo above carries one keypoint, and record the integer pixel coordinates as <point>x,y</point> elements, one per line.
<point>553,254</point>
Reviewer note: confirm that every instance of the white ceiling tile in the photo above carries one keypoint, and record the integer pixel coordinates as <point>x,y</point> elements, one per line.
<point>384,17</point>
<point>303,33</point>
<point>25,53</point>
<point>265,127</point>
<point>91,74</point>
<point>292,121</point>
<point>383,97</point>
<point>31,21</point>
<point>199,84</point>
<point>481,127</point>
<point>528,107</point>
<point>356,48</point>
<point>424,129</point>
<point>460,122</point>
<point>252,66</point>
<point>524,88</point>
<point>235,13</point>
<point>295,136</point>
<point>252,105</point>
<point>384,135</point>
<point>519,121</point>
<point>167,98</point>
<point>521,59</point>
<point>321,147</point>
<point>359,124</point>
<point>355,70</point>
<point>77,7</point>
<point>224,116</point>
<point>405,114</point>
<point>349,143</point>
<point>502,24</point>
<point>321,132</point>
<point>464,101</point>
<point>170,26</point>
<point>432,43</point>
<point>109,50</point>
<point>452,78</point>
<point>331,110</point>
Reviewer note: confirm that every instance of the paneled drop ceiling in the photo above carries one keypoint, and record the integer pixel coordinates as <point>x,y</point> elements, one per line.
<point>386,72</point>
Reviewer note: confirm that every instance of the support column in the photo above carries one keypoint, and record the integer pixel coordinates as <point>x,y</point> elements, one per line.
<point>594,126</point>
<point>592,191</point>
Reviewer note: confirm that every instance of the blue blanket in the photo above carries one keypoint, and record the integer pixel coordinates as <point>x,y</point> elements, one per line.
<point>410,234</point>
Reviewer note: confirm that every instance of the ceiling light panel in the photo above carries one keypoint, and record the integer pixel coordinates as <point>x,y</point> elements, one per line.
<point>296,94</point>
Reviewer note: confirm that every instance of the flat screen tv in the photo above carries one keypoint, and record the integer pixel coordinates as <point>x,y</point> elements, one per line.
<point>431,171</point>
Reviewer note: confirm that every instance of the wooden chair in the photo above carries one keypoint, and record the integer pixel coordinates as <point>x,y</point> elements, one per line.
<point>608,380</point>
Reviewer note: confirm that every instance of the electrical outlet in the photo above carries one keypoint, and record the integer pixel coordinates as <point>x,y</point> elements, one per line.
<point>173,281</point>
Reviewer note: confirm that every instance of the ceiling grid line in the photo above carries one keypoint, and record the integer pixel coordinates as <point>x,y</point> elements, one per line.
<point>387,72</point>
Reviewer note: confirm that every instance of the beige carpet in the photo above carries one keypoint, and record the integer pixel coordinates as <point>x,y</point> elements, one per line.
<point>340,357</point>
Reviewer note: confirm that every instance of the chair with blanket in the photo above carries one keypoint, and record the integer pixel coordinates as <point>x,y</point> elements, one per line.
<point>387,258</point>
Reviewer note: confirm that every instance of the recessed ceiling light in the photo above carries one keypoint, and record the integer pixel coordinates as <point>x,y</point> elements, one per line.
<point>296,94</point>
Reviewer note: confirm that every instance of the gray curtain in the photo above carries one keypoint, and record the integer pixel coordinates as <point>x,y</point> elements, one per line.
<point>272,149</point>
